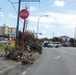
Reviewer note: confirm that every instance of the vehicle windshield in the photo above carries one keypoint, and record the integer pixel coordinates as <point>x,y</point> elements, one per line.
<point>37,37</point>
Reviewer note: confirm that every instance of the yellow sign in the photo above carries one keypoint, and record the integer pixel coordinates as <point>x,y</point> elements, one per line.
<point>12,43</point>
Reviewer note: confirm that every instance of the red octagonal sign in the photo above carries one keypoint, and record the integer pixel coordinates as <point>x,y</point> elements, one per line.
<point>24,13</point>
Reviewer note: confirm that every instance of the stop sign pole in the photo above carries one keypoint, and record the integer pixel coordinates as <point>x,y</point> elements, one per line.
<point>24,14</point>
<point>23,33</point>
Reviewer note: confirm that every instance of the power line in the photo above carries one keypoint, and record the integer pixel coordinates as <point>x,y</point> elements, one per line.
<point>0,9</point>
<point>13,5</point>
<point>12,2</point>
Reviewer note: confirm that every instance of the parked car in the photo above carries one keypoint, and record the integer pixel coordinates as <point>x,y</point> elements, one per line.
<point>45,45</point>
<point>54,44</point>
<point>65,45</point>
<point>3,42</point>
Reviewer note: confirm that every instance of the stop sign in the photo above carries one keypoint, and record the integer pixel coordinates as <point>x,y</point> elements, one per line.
<point>23,13</point>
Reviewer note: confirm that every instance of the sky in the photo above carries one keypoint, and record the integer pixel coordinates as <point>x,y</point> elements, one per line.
<point>61,19</point>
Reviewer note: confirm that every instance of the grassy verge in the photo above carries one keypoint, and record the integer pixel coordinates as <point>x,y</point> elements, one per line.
<point>2,47</point>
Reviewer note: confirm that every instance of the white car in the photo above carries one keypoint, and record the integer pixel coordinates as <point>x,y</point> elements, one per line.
<point>3,42</point>
<point>54,44</point>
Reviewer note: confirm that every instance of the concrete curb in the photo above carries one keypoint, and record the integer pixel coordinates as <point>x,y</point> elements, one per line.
<point>12,67</point>
<point>9,69</point>
<point>36,55</point>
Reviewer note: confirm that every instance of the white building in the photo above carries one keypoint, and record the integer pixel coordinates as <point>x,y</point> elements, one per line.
<point>7,30</point>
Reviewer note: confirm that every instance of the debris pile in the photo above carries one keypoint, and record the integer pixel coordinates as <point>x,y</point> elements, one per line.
<point>24,55</point>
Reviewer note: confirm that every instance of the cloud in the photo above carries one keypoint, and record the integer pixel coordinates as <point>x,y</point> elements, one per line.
<point>33,8</point>
<point>41,19</point>
<point>1,14</point>
<point>61,23</point>
<point>59,3</point>
<point>71,12</point>
<point>65,19</point>
<point>33,28</point>
<point>12,16</point>
<point>33,18</point>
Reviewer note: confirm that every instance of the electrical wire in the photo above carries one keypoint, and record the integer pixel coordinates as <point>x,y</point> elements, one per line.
<point>14,7</point>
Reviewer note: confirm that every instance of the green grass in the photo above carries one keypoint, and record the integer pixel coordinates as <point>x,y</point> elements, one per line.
<point>2,47</point>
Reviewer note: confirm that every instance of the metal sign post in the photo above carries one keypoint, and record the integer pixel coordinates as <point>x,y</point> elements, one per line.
<point>23,14</point>
<point>17,28</point>
<point>23,33</point>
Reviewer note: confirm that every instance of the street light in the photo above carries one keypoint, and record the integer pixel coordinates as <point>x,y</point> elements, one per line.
<point>38,23</point>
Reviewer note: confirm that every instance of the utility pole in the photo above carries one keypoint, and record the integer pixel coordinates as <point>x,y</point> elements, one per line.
<point>74,36</point>
<point>0,9</point>
<point>53,34</point>
<point>26,20</point>
<point>17,28</point>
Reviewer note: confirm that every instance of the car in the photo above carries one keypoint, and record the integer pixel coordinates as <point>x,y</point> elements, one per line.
<point>3,42</point>
<point>65,45</point>
<point>54,44</point>
<point>45,45</point>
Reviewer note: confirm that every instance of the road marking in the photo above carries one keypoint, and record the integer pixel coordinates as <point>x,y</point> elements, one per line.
<point>24,73</point>
<point>57,57</point>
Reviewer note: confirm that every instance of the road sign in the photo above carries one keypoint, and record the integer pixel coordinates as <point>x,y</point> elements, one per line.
<point>24,13</point>
<point>12,43</point>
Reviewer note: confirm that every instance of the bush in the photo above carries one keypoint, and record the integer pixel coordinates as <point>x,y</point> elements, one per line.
<point>2,47</point>
<point>36,47</point>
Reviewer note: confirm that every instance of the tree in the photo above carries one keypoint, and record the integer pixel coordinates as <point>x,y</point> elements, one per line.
<point>57,39</point>
<point>28,38</point>
<point>71,41</point>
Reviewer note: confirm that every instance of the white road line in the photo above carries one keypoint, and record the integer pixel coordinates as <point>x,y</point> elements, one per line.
<point>58,57</point>
<point>24,73</point>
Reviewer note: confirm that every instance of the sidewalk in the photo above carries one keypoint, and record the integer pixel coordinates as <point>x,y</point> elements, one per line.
<point>7,66</point>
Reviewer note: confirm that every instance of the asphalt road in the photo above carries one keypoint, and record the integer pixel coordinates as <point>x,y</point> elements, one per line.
<point>53,61</point>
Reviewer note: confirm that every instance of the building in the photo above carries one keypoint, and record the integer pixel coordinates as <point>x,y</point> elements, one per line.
<point>32,32</point>
<point>7,30</point>
<point>65,38</point>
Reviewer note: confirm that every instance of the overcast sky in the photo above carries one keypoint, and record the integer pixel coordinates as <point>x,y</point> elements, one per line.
<point>61,20</point>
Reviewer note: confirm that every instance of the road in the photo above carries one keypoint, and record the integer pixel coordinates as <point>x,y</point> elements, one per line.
<point>53,61</point>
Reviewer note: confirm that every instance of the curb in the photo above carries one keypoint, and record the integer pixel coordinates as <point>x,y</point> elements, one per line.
<point>36,55</point>
<point>12,67</point>
<point>9,69</point>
